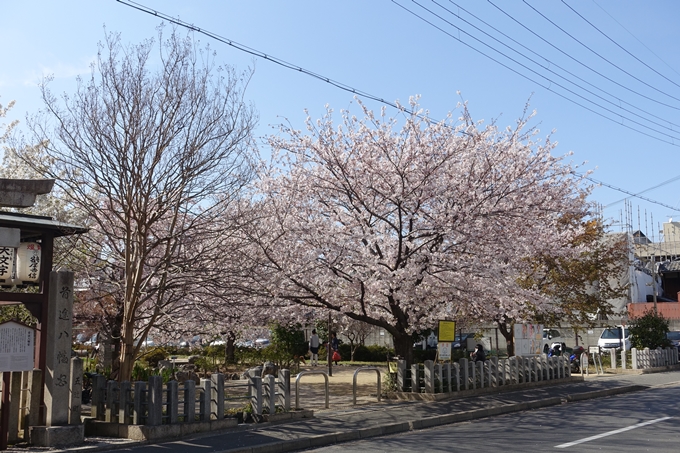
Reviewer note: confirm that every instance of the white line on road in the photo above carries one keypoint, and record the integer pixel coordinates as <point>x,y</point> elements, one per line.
<point>610,433</point>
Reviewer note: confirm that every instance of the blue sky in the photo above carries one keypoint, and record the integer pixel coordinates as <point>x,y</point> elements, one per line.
<point>380,48</point>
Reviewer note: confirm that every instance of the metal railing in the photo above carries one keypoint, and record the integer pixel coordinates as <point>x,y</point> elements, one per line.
<point>297,386</point>
<point>354,382</point>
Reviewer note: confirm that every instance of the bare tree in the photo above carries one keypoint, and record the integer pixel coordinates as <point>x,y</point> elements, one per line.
<point>154,147</point>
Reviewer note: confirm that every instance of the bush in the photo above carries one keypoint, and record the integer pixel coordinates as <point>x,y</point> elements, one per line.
<point>154,356</point>
<point>373,353</point>
<point>649,331</point>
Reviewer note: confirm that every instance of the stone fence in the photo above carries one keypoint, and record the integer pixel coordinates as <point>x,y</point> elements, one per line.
<point>153,410</point>
<point>431,378</point>
<point>641,359</point>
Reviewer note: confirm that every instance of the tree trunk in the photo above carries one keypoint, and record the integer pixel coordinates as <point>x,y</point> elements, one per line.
<point>403,347</point>
<point>509,338</point>
<point>230,348</point>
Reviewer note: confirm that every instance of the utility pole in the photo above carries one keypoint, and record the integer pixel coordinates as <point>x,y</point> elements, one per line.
<point>330,354</point>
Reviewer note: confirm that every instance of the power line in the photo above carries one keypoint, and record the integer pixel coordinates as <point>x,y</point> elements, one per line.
<point>618,189</point>
<point>618,45</point>
<point>580,62</point>
<point>648,189</point>
<point>554,64</point>
<point>257,53</point>
<point>549,88</point>
<point>636,38</point>
<point>344,87</point>
<point>603,58</point>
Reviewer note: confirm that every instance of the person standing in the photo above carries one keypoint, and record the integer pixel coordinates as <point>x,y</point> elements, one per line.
<point>334,348</point>
<point>314,347</point>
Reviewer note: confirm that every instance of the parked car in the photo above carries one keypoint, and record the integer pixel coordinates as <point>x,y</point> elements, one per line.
<point>461,341</point>
<point>550,337</point>
<point>674,337</point>
<point>261,342</point>
<point>614,337</point>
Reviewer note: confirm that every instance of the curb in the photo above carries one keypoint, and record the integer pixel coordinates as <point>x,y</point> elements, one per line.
<point>425,423</point>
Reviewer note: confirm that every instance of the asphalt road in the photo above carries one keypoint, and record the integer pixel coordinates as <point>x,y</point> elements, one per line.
<point>642,421</point>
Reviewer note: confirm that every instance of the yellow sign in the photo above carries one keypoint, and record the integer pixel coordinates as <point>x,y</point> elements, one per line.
<point>447,331</point>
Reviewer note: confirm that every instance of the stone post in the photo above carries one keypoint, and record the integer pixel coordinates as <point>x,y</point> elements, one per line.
<point>612,354</point>
<point>284,389</point>
<point>172,398</point>
<point>456,375</point>
<point>480,366</point>
<point>429,376</point>
<point>124,403</point>
<point>473,374</point>
<point>623,359</point>
<point>111,411</point>
<point>401,372</point>
<point>155,401</point>
<point>449,382</point>
<point>217,398</point>
<point>76,390</point>
<point>270,393</point>
<point>439,374</point>
<point>189,401</point>
<point>98,396</point>
<point>465,377</point>
<point>204,400</point>
<point>138,404</point>
<point>415,378</point>
<point>634,358</point>
<point>256,394</point>
<point>14,400</point>
<point>58,351</point>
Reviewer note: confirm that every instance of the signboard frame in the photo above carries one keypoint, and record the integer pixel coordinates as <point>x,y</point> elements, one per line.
<point>446,332</point>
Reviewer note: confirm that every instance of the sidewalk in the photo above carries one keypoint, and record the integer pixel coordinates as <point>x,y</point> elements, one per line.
<point>388,417</point>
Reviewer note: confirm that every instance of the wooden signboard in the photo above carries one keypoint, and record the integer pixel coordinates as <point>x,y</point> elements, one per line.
<point>17,347</point>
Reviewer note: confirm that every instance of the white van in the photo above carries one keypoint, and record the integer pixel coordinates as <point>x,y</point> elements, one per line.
<point>614,337</point>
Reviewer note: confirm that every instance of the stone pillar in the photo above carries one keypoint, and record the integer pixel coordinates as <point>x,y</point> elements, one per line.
<point>447,372</point>
<point>155,401</point>
<point>514,367</point>
<point>465,377</point>
<point>204,400</point>
<point>138,404</point>
<point>76,390</point>
<point>401,372</point>
<point>98,396</point>
<point>634,358</point>
<point>256,394</point>
<point>111,411</point>
<point>284,389</point>
<point>270,393</point>
<point>439,374</point>
<point>623,359</point>
<point>14,400</point>
<point>415,378</point>
<point>473,374</point>
<point>429,376</point>
<point>612,354</point>
<point>189,401</point>
<point>173,401</point>
<point>480,366</point>
<point>124,403</point>
<point>456,376</point>
<point>217,398</point>
<point>58,351</point>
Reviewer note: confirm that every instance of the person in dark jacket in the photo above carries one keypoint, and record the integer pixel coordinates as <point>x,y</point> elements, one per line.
<point>478,354</point>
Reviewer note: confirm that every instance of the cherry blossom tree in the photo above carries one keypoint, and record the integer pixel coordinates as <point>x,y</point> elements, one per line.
<point>400,222</point>
<point>154,147</point>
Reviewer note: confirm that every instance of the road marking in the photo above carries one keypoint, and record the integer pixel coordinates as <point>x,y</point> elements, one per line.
<point>610,433</point>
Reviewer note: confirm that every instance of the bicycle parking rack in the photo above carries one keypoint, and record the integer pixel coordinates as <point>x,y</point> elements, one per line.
<point>354,381</point>
<point>297,386</point>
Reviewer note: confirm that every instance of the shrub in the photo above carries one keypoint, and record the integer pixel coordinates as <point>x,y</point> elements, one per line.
<point>649,331</point>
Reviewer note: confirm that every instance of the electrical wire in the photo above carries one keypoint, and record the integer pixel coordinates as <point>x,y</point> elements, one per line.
<point>618,189</point>
<point>603,58</point>
<point>344,87</point>
<point>549,87</point>
<point>668,181</point>
<point>580,62</point>
<point>617,44</point>
<point>556,65</point>
<point>636,38</point>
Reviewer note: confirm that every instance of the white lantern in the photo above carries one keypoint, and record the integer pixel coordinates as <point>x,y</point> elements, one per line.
<point>28,262</point>
<point>6,264</point>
